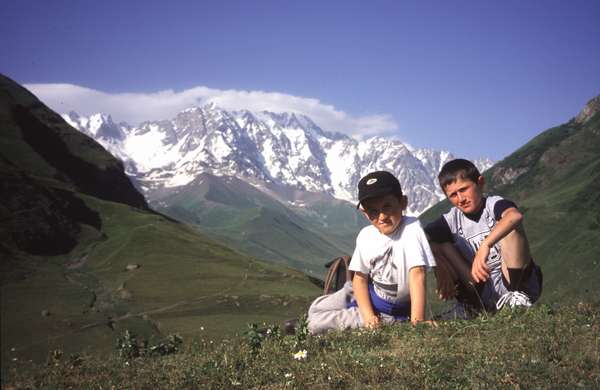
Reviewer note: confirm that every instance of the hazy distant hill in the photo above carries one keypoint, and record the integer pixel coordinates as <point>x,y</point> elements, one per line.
<point>71,224</point>
<point>555,180</point>
<point>305,233</point>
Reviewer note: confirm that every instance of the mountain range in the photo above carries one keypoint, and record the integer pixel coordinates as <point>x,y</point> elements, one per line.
<point>264,149</point>
<point>272,185</point>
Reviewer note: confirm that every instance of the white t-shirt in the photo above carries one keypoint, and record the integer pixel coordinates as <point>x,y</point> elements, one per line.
<point>387,259</point>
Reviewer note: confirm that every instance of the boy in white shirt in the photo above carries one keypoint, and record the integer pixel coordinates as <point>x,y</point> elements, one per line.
<point>389,264</point>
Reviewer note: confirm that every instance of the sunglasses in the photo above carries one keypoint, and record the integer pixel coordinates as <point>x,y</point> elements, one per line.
<point>374,213</point>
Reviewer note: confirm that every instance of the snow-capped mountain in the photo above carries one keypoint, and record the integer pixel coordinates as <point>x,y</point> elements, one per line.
<point>263,147</point>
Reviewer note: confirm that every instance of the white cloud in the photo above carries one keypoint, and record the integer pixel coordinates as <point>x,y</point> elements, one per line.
<point>137,107</point>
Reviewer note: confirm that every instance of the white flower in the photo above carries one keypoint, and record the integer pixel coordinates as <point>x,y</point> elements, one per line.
<point>288,375</point>
<point>300,355</point>
<point>201,328</point>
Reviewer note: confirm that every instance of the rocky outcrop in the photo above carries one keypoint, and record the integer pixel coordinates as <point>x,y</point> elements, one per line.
<point>590,109</point>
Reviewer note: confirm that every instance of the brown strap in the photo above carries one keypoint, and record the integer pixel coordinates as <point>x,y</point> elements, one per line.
<point>332,275</point>
<point>349,274</point>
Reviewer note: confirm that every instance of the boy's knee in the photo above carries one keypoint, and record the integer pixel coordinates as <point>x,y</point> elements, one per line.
<point>515,241</point>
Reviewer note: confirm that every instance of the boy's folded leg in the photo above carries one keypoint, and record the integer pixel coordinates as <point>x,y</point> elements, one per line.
<point>347,318</point>
<point>331,311</point>
<point>335,301</point>
<point>523,292</point>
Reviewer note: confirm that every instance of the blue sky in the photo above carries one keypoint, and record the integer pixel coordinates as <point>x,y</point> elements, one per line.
<point>478,78</point>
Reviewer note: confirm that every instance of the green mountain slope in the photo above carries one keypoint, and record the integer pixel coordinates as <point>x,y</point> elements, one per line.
<point>555,180</point>
<point>72,223</point>
<point>236,213</point>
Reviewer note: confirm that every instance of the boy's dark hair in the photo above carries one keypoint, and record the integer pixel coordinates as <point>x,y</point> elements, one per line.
<point>458,169</point>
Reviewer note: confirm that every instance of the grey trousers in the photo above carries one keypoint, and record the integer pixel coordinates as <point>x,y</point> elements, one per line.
<point>331,311</point>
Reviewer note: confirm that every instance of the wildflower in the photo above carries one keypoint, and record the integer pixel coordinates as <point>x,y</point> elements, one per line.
<point>288,375</point>
<point>236,383</point>
<point>201,328</point>
<point>300,355</point>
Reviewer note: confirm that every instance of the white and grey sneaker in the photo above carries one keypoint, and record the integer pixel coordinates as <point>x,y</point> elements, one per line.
<point>513,299</point>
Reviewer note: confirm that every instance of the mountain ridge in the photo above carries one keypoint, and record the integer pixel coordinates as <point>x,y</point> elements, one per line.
<point>287,148</point>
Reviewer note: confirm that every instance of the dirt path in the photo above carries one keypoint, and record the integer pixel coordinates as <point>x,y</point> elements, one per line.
<point>130,315</point>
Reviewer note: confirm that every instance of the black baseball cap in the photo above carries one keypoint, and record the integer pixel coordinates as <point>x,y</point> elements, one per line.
<point>378,183</point>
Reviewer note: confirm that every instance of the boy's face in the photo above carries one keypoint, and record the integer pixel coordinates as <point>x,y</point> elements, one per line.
<point>465,194</point>
<point>384,212</point>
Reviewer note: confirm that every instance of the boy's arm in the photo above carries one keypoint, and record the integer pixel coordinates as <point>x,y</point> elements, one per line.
<point>511,218</point>
<point>451,266</point>
<point>417,287</point>
<point>361,294</point>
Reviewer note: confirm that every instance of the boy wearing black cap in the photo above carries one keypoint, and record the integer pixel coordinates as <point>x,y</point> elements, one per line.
<point>389,264</point>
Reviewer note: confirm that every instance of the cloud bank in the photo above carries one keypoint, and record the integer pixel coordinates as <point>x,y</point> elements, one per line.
<point>134,108</point>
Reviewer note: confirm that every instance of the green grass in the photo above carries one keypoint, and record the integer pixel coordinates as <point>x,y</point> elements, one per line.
<point>544,347</point>
<point>185,282</point>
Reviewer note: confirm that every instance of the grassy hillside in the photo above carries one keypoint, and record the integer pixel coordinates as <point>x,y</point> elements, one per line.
<point>72,223</point>
<point>184,283</point>
<point>555,180</point>
<point>499,352</point>
<point>234,212</point>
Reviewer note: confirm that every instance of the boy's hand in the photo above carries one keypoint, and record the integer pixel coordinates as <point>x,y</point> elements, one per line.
<point>480,271</point>
<point>373,323</point>
<point>446,281</point>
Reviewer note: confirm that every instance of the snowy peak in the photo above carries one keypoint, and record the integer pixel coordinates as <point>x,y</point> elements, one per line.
<point>97,126</point>
<point>283,149</point>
